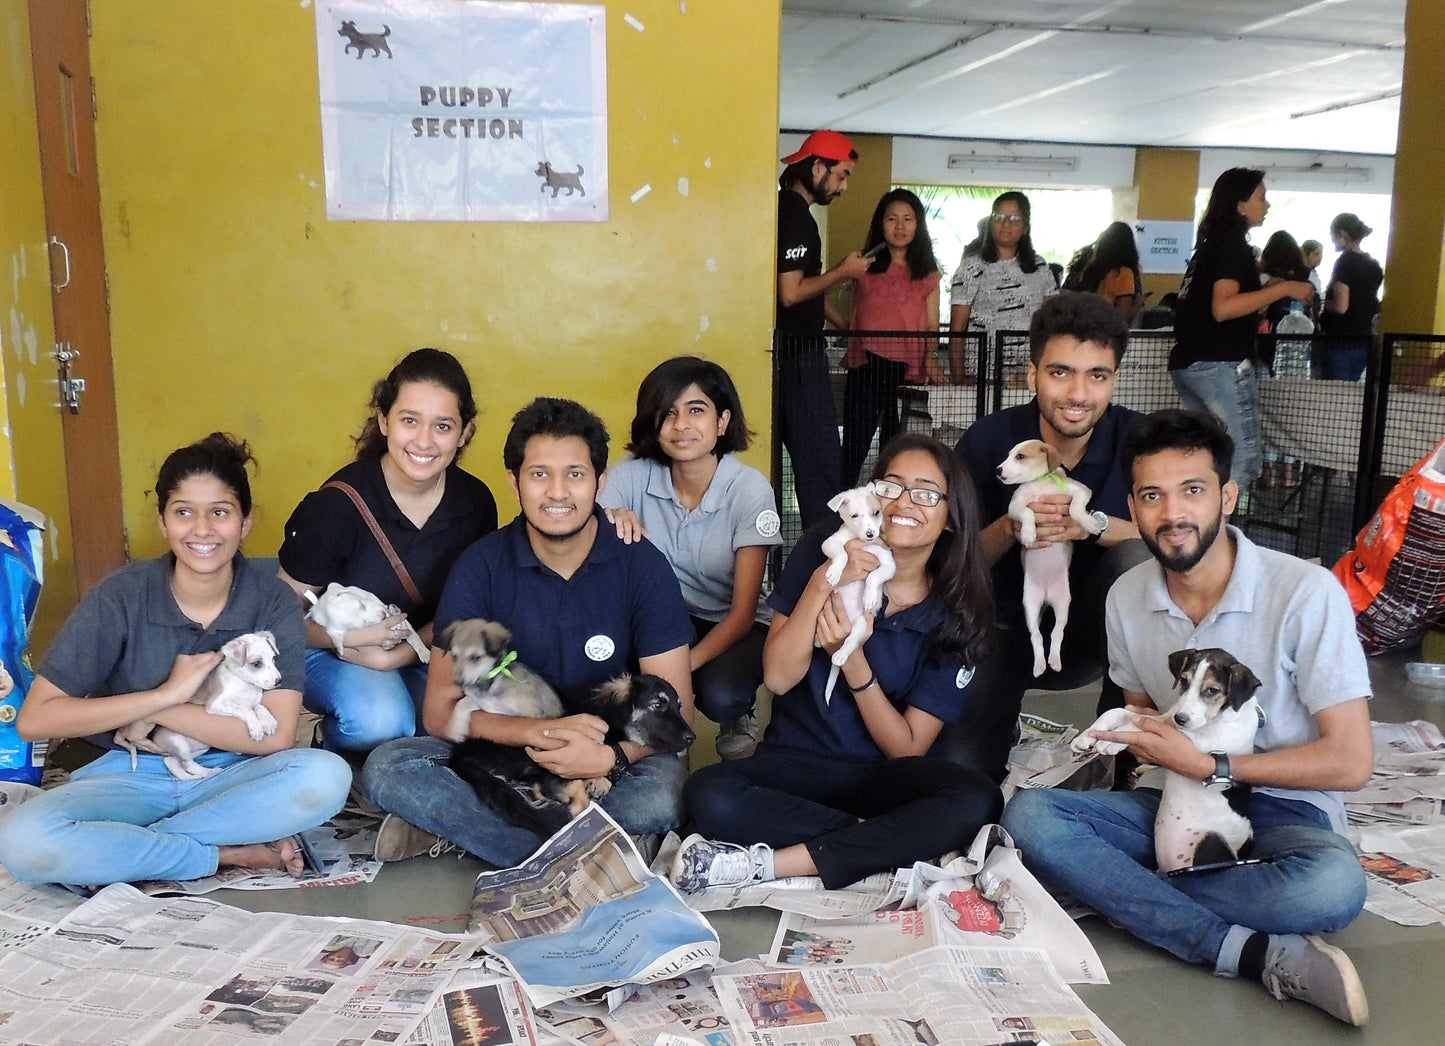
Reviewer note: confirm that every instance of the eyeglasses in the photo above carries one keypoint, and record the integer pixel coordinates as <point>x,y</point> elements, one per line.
<point>1009,219</point>
<point>888,490</point>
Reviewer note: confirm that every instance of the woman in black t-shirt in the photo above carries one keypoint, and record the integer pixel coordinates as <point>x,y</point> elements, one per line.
<point>1212,362</point>
<point>420,417</point>
<point>1351,300</point>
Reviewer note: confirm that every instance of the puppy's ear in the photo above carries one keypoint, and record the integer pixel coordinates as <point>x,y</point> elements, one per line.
<point>1053,457</point>
<point>836,501</point>
<point>235,650</point>
<point>495,637</point>
<point>1242,684</point>
<point>444,641</point>
<point>1177,661</point>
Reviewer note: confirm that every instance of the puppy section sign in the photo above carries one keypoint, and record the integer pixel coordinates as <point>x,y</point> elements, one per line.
<point>463,110</point>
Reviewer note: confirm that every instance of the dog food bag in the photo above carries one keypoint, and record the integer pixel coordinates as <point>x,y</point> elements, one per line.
<point>21,571</point>
<point>1395,573</point>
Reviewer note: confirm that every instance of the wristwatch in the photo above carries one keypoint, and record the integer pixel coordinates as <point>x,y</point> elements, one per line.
<point>1102,518</point>
<point>620,763</point>
<point>1222,776</point>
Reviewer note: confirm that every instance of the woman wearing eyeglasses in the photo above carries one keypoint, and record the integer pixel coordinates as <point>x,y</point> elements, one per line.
<point>844,788</point>
<point>999,287</point>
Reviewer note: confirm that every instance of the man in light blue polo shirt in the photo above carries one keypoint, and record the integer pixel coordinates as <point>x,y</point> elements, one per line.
<point>1291,623</point>
<point>582,607</point>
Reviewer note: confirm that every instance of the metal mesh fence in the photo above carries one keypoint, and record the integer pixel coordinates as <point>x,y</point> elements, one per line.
<point>1320,434</point>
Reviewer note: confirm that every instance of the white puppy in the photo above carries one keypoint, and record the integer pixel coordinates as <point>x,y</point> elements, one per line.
<point>235,687</point>
<point>342,608</point>
<point>862,515</point>
<point>1218,712</point>
<point>1035,467</point>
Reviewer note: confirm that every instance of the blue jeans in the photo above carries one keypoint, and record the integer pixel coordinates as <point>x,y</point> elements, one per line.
<point>410,778</point>
<point>362,707</point>
<point>1099,847</point>
<point>114,825</point>
<point>855,818</point>
<point>1229,391</point>
<point>727,686</point>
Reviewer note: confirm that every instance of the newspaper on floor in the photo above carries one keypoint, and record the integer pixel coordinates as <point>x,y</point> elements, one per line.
<point>127,968</point>
<point>943,994</point>
<point>685,1007</point>
<point>986,898</point>
<point>584,913</point>
<point>478,1006</point>
<point>1042,758</point>
<point>343,848</point>
<point>1408,785</point>
<point>1404,872</point>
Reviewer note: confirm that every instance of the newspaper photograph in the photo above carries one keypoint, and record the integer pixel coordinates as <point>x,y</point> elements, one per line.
<point>1404,872</point>
<point>478,1007</point>
<point>944,994</point>
<point>986,898</point>
<point>686,1008</point>
<point>584,913</point>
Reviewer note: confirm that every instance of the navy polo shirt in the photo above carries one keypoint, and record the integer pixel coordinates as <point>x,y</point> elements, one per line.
<point>623,603</point>
<point>898,652</point>
<point>327,540</point>
<point>126,633</point>
<point>987,443</point>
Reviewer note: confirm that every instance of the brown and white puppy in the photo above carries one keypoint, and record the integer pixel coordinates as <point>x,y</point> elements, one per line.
<point>235,687</point>
<point>643,709</point>
<point>492,679</point>
<point>862,515</point>
<point>1036,468</point>
<point>1216,710</point>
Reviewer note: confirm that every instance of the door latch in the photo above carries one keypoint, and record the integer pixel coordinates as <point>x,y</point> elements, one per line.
<point>70,387</point>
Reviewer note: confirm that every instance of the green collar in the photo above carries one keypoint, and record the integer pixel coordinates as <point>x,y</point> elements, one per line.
<point>1059,478</point>
<point>502,668</point>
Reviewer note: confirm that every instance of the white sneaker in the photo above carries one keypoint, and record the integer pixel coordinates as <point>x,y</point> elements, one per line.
<point>702,863</point>
<point>396,840</point>
<point>738,739</point>
<point>1308,969</point>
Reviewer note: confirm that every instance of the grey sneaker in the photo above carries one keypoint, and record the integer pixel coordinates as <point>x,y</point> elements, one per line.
<point>1308,969</point>
<point>702,863</point>
<point>396,840</point>
<point>738,739</point>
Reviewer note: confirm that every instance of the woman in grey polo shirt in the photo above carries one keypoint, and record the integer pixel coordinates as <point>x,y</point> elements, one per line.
<point>136,650</point>
<point>715,519</point>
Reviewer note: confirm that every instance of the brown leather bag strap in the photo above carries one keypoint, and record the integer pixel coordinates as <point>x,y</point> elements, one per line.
<point>376,532</point>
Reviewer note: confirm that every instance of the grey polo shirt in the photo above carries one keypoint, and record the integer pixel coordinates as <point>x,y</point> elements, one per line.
<point>737,511</point>
<point>1288,620</point>
<point>127,632</point>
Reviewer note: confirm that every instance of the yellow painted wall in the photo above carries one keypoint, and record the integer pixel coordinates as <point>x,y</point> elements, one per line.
<point>32,462</point>
<point>1167,181</point>
<point>1413,293</point>
<point>237,305</point>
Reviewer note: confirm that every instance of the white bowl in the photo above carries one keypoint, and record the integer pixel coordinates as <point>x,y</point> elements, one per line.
<point>1422,673</point>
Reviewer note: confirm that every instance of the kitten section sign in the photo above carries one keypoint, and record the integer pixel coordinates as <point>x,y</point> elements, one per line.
<point>463,110</point>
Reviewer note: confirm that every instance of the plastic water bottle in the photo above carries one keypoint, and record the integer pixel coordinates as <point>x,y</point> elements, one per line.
<point>1292,358</point>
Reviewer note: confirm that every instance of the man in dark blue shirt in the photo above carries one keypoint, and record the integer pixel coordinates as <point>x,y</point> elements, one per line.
<point>1076,341</point>
<point>582,607</point>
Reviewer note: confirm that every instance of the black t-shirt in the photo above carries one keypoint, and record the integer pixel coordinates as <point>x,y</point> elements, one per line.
<point>800,249</point>
<point>1198,336</point>
<point>1362,275</point>
<point>327,540</point>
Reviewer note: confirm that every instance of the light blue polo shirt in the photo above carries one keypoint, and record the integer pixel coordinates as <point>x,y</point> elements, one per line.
<point>1288,620</point>
<point>737,511</point>
<point>622,604</point>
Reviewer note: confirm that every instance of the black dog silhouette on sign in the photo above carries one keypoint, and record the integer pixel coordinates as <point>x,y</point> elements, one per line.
<point>375,42</point>
<point>556,180</point>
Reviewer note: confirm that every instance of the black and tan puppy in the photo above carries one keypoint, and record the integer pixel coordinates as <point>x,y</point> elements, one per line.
<point>643,709</point>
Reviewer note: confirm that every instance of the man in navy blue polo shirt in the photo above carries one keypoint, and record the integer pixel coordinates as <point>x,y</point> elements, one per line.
<point>583,607</point>
<point>1075,344</point>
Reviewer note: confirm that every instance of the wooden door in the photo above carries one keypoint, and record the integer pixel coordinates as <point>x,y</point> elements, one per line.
<point>64,103</point>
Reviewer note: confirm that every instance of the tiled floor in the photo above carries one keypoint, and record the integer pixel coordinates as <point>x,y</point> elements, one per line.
<point>1152,998</point>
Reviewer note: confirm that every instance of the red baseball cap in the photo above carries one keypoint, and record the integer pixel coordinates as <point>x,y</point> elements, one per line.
<point>830,145</point>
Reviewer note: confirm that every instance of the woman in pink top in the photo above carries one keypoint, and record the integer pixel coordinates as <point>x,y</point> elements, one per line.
<point>899,292</point>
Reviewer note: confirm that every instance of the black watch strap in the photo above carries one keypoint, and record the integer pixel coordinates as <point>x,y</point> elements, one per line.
<point>620,762</point>
<point>1222,776</point>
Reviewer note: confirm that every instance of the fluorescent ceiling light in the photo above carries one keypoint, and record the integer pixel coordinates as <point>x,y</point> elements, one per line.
<point>1319,170</point>
<point>1009,162</point>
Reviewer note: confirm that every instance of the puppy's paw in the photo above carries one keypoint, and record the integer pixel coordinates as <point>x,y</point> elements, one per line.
<point>1028,533</point>
<point>834,572</point>
<point>597,787</point>
<point>1055,662</point>
<point>1039,667</point>
<point>579,795</point>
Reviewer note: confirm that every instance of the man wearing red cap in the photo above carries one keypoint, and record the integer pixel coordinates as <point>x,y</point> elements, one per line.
<point>815,174</point>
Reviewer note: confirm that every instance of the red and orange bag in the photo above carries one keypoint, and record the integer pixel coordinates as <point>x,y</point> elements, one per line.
<point>1395,574</point>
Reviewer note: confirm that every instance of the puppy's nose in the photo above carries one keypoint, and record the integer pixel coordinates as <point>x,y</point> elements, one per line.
<point>1181,719</point>
<point>999,470</point>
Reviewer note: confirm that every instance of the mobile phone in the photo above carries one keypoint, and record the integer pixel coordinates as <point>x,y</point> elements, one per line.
<point>1215,866</point>
<point>876,250</point>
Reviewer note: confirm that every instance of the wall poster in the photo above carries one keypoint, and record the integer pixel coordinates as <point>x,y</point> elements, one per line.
<point>463,110</point>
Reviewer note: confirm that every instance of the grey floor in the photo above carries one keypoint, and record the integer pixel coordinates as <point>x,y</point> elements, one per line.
<point>1152,998</point>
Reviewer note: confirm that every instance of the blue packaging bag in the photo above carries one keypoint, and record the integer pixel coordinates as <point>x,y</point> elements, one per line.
<point>21,570</point>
